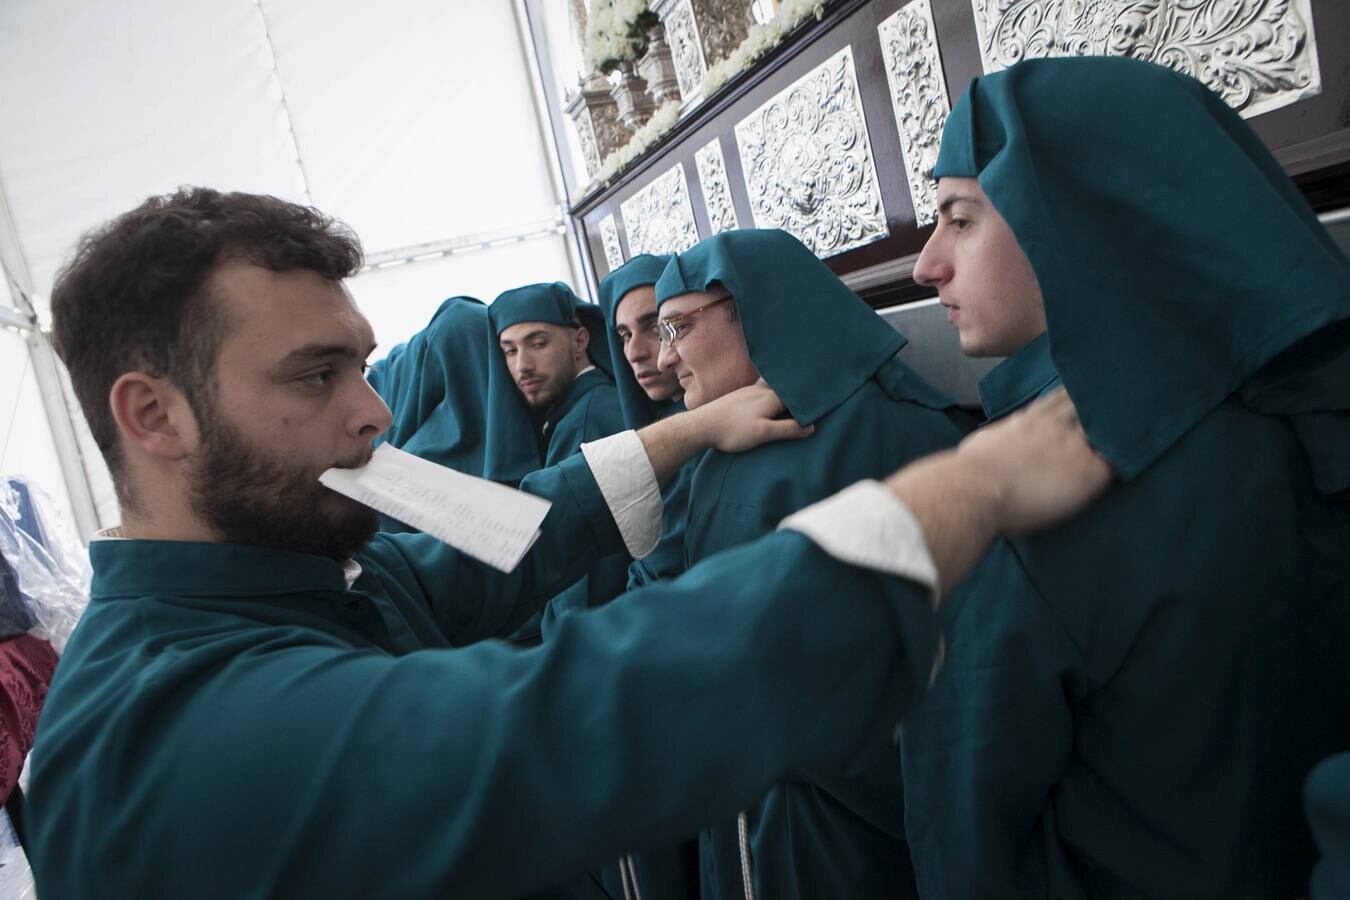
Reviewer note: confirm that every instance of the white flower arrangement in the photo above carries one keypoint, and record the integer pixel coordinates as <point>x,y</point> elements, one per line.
<point>616,32</point>
<point>760,40</point>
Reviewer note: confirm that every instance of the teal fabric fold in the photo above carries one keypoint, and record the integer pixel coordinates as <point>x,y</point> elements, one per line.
<point>1018,380</point>
<point>1328,800</point>
<point>1162,230</point>
<point>436,388</point>
<point>271,731</point>
<point>555,304</point>
<point>811,338</point>
<point>820,833</point>
<point>1192,306</point>
<point>642,270</point>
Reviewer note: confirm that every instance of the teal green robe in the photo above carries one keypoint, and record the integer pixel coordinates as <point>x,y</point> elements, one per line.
<point>1129,703</point>
<point>229,721</point>
<point>587,411</point>
<point>1328,801</point>
<point>667,559</point>
<point>1126,707</point>
<point>668,872</point>
<point>435,386</point>
<point>833,362</point>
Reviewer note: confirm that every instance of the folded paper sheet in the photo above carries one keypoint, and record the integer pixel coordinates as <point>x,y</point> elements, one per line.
<point>486,520</point>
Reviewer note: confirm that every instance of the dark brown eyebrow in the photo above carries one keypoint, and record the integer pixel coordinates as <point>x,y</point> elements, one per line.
<point>945,206</point>
<point>317,352</point>
<point>643,321</point>
<point>528,337</point>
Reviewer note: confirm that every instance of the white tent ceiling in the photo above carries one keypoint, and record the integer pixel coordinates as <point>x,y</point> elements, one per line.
<point>411,120</point>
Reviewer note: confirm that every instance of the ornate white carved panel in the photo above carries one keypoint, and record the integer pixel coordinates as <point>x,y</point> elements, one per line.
<point>586,137</point>
<point>1258,55</point>
<point>609,236</point>
<point>808,163</point>
<point>712,174</point>
<point>686,50</point>
<point>660,218</point>
<point>918,97</point>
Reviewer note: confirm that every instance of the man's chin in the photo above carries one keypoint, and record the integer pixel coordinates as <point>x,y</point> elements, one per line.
<point>661,393</point>
<point>539,401</point>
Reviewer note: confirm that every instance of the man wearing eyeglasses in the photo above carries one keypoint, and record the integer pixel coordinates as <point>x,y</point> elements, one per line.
<point>746,305</point>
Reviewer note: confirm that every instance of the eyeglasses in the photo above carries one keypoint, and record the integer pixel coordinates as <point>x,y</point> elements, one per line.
<point>677,326</point>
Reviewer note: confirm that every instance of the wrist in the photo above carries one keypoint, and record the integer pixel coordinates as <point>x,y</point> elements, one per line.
<point>950,489</point>
<point>699,429</point>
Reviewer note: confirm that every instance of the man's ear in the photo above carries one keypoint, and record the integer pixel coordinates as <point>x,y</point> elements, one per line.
<point>581,340</point>
<point>153,415</point>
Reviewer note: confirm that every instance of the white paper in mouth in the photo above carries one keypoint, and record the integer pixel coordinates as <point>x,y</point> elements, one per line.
<point>488,521</point>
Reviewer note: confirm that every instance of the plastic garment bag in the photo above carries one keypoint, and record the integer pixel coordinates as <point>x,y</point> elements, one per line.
<point>44,569</point>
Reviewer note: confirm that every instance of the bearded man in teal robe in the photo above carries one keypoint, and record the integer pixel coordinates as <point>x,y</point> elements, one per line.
<point>265,697</point>
<point>553,365</point>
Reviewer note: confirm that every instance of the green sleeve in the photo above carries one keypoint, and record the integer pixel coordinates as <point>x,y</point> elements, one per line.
<point>312,768</point>
<point>469,600</point>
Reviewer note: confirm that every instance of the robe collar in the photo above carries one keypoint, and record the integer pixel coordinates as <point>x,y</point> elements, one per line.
<point>1019,379</point>
<point>135,568</point>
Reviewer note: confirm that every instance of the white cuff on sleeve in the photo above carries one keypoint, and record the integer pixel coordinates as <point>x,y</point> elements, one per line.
<point>628,483</point>
<point>866,525</point>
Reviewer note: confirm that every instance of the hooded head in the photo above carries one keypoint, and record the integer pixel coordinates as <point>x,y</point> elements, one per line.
<point>628,302</point>
<point>544,332</point>
<point>812,339</point>
<point>436,387</point>
<point>1173,256</point>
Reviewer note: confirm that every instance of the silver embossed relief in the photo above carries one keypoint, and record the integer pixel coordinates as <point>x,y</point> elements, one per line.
<point>722,26</point>
<point>808,163</point>
<point>686,51</point>
<point>712,174</point>
<point>660,218</point>
<point>610,133</point>
<point>1258,55</point>
<point>609,236</point>
<point>586,137</point>
<point>918,96</point>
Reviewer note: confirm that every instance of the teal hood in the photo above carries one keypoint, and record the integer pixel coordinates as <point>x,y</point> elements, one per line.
<point>812,339</point>
<point>436,389</point>
<point>640,271</point>
<point>554,303</point>
<point>1175,257</point>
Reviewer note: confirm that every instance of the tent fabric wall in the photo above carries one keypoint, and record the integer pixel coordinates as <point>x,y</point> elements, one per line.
<point>421,286</point>
<point>412,121</point>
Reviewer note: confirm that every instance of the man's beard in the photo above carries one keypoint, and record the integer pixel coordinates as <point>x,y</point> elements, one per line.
<point>248,498</point>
